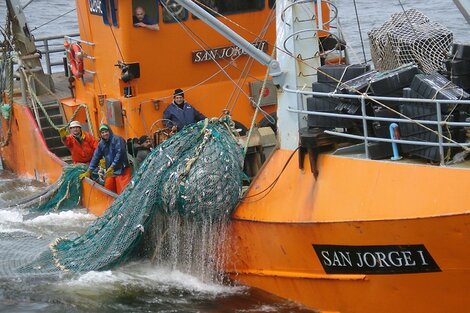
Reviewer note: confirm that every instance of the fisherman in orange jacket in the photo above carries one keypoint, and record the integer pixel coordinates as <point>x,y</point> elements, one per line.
<point>80,143</point>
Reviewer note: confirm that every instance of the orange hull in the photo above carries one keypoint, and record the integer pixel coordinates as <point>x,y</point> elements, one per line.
<point>27,155</point>
<point>280,235</point>
<point>272,239</point>
<point>272,235</point>
<point>279,258</point>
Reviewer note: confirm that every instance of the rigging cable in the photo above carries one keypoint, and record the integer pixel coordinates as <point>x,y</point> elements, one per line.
<point>200,44</point>
<point>8,59</point>
<point>117,43</point>
<point>55,18</point>
<point>251,60</point>
<point>271,186</point>
<point>366,96</point>
<point>243,77</point>
<point>360,32</point>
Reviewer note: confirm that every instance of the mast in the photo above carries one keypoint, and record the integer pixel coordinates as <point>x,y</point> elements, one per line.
<point>294,68</point>
<point>25,46</point>
<point>298,54</point>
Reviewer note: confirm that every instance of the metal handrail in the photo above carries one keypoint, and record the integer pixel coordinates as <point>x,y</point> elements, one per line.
<point>44,47</point>
<point>366,118</point>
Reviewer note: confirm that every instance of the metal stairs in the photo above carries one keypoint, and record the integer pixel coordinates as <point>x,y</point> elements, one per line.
<point>51,136</point>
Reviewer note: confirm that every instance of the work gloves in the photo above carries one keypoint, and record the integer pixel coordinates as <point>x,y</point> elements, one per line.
<point>109,172</point>
<point>62,132</point>
<point>86,174</point>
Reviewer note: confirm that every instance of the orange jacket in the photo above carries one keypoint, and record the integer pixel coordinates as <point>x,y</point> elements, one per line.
<point>82,152</point>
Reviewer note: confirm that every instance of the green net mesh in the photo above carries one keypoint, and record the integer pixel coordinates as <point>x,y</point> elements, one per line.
<point>195,176</point>
<point>64,194</point>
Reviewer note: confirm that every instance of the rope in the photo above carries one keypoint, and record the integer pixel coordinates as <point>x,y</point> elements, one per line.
<point>8,62</point>
<point>360,32</point>
<point>270,187</point>
<point>41,106</point>
<point>50,21</point>
<point>255,114</point>
<point>245,73</point>
<point>200,42</point>
<point>9,65</point>
<point>366,96</point>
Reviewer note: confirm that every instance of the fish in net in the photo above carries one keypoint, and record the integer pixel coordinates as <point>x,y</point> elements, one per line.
<point>196,174</point>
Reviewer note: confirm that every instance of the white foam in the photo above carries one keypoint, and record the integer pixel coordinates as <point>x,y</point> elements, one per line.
<point>10,216</point>
<point>95,278</point>
<point>148,276</point>
<point>66,219</point>
<point>12,220</point>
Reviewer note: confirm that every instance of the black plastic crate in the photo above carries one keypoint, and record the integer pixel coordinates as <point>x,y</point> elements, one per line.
<point>386,83</point>
<point>335,73</point>
<point>463,81</point>
<point>380,150</point>
<point>360,83</point>
<point>327,105</point>
<point>324,87</point>
<point>436,86</point>
<point>381,128</point>
<point>415,132</point>
<point>461,51</point>
<point>457,66</point>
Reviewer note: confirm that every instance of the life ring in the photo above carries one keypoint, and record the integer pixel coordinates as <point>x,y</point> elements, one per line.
<point>75,57</point>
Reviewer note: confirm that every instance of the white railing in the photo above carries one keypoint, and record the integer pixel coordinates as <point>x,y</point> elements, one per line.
<point>364,119</point>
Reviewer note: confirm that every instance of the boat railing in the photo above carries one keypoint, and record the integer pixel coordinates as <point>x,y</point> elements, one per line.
<point>438,124</point>
<point>53,52</point>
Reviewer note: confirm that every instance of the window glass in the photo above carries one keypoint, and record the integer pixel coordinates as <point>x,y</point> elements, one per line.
<point>271,3</point>
<point>107,9</point>
<point>145,11</point>
<point>173,12</point>
<point>225,7</point>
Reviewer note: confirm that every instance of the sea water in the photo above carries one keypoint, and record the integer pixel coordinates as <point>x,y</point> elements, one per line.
<point>139,286</point>
<point>143,286</point>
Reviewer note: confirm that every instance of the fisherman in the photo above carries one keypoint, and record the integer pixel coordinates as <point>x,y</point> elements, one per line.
<point>144,149</point>
<point>113,149</point>
<point>80,143</point>
<point>180,113</point>
<point>140,19</point>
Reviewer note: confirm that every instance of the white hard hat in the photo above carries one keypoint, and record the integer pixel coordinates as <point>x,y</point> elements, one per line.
<point>75,124</point>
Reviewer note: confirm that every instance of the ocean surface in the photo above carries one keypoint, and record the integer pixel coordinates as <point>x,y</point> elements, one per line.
<point>141,286</point>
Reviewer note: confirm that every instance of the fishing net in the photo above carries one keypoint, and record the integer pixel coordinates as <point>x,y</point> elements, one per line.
<point>63,195</point>
<point>195,175</point>
<point>410,37</point>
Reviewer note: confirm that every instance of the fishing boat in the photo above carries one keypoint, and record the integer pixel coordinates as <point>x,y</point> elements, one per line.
<point>360,208</point>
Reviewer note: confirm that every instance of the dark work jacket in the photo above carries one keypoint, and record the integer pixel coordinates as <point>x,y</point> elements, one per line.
<point>114,152</point>
<point>181,117</point>
<point>147,20</point>
<point>142,153</point>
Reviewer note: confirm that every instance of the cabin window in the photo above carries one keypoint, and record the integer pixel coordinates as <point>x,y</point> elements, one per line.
<point>225,7</point>
<point>107,9</point>
<point>271,3</point>
<point>148,8</point>
<point>173,12</point>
